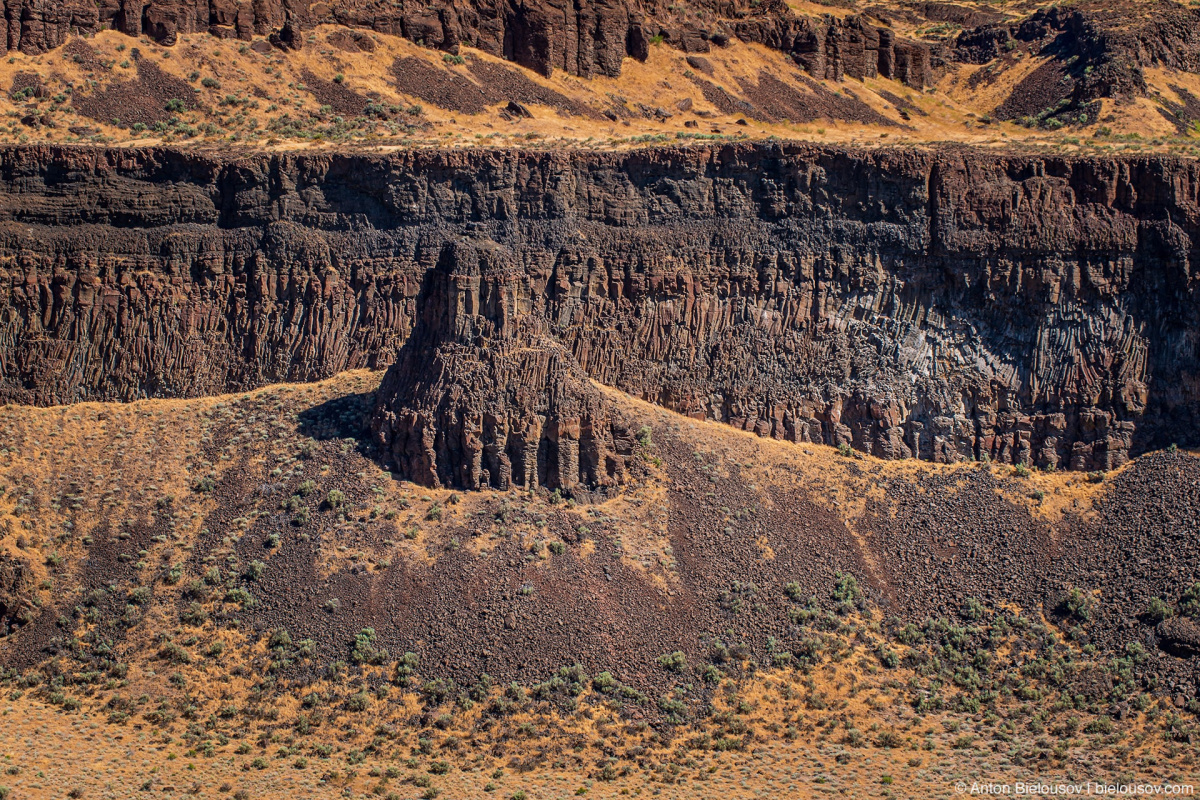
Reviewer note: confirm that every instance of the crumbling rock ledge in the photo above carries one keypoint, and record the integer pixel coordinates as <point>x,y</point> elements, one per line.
<point>945,304</point>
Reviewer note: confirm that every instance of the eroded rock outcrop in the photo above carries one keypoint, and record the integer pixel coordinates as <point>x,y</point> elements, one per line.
<point>585,39</point>
<point>1094,50</point>
<point>945,305</point>
<point>483,395</point>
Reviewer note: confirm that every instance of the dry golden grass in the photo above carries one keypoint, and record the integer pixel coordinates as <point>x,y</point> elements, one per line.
<point>846,726</point>
<point>257,89</point>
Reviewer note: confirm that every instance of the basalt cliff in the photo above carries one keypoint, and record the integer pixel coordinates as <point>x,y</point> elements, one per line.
<point>943,304</point>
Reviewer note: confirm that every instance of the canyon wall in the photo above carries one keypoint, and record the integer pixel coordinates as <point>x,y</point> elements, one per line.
<point>946,304</point>
<point>584,38</point>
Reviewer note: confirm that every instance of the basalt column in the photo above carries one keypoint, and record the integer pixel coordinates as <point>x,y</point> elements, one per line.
<point>482,395</point>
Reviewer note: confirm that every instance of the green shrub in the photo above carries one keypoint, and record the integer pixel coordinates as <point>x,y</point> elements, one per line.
<point>175,654</point>
<point>365,651</point>
<point>845,589</point>
<point>1077,604</point>
<point>973,609</point>
<point>1158,610</point>
<point>675,662</point>
<point>1189,603</point>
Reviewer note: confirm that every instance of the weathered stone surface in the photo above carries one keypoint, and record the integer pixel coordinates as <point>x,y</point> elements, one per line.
<point>1180,636</point>
<point>946,305</point>
<point>587,38</point>
<point>483,395</point>
<point>834,48</point>
<point>1095,50</point>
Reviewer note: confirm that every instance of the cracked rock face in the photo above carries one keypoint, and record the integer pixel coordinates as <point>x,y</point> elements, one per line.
<point>482,395</point>
<point>945,305</point>
<point>585,39</point>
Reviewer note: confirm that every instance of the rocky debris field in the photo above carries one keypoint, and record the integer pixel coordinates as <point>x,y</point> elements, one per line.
<point>245,560</point>
<point>471,89</point>
<point>719,533</point>
<point>151,97</point>
<point>335,95</point>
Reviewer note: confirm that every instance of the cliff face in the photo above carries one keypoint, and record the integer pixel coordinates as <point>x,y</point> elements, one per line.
<point>944,305</point>
<point>585,38</point>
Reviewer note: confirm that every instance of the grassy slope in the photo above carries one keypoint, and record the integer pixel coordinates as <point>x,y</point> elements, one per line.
<point>211,700</point>
<point>266,100</point>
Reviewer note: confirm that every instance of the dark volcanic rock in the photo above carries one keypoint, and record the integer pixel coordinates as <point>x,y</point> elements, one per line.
<point>16,602</point>
<point>1096,50</point>
<point>1180,636</point>
<point>585,39</point>
<point>946,305</point>
<point>483,395</point>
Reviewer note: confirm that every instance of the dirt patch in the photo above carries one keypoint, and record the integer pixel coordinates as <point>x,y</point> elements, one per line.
<point>334,94</point>
<point>152,97</point>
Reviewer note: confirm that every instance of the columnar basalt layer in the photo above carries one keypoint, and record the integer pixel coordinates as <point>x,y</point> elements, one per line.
<point>944,305</point>
<point>586,38</point>
<point>482,395</point>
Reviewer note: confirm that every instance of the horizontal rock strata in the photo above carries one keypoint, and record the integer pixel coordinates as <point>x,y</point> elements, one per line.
<point>945,305</point>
